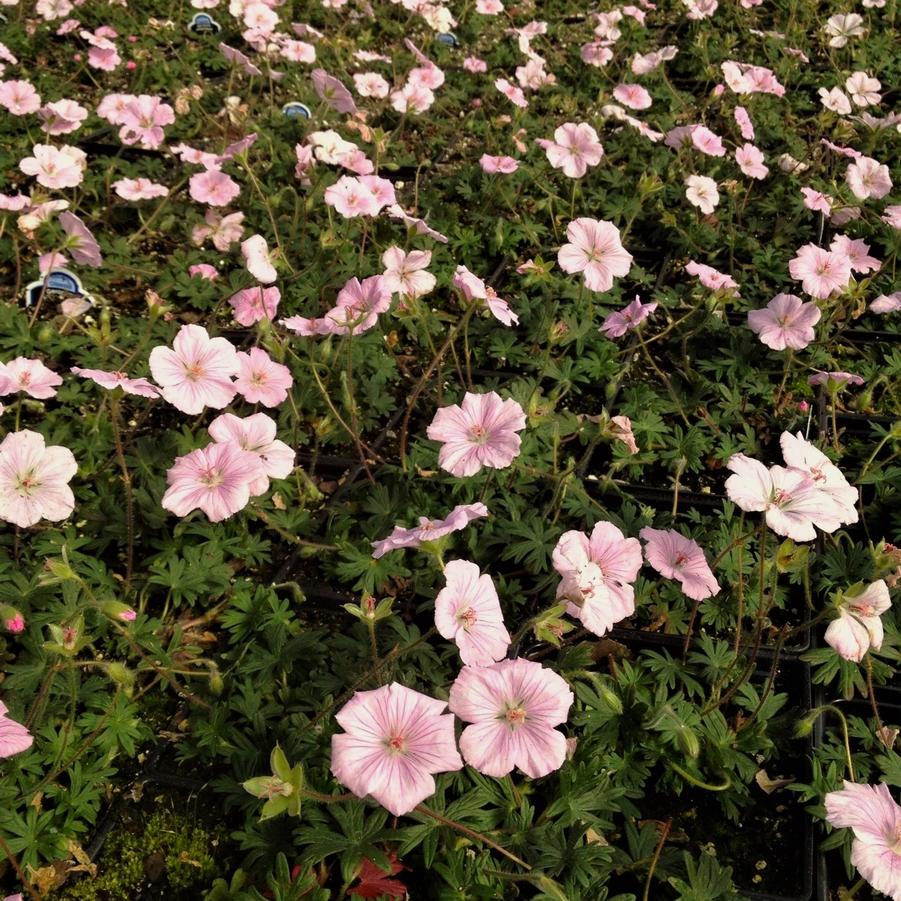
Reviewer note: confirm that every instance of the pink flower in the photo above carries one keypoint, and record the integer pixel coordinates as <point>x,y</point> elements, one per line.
<point>698,136</point>
<point>595,250</point>
<point>256,434</point>
<point>34,479</point>
<point>429,529</point>
<point>786,321</point>
<point>713,279</point>
<point>29,376</point>
<point>575,147</point>
<point>632,95</point>
<point>250,305</point>
<point>54,167</point>
<point>139,189</point>
<point>205,271</point>
<point>394,740</point>
<point>357,306</point>
<point>257,260</point>
<point>513,706</point>
<point>480,432</point>
<point>596,53</point>
<point>886,303</point>
<point>351,198</point>
<point>620,429</point>
<point>512,92</point>
<point>197,372</point>
<point>143,120</point>
<point>333,92</point>
<point>858,626</point>
<point>788,497</point>
<point>213,188</point>
<point>498,165</point>
<point>891,215</point>
<point>371,84</point>
<point>835,100</point>
<point>475,65</point>
<point>261,380</point>
<point>14,739</point>
<point>750,161</point>
<point>744,123</point>
<point>406,273</point>
<point>864,89</point>
<point>473,288</point>
<point>216,479</point>
<point>615,325</point>
<point>865,177</point>
<point>857,252</point>
<point>112,380</point>
<point>597,574</point>
<point>676,557</point>
<point>19,97</point>
<point>821,272</point>
<point>876,820</point>
<point>468,612</point>
<point>223,230</point>
<point>834,380</point>
<point>13,621</point>
<point>702,192</point>
<point>817,201</point>
<point>62,117</point>
<point>80,242</point>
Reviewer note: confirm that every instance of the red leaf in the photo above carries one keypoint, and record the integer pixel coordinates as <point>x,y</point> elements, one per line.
<point>375,882</point>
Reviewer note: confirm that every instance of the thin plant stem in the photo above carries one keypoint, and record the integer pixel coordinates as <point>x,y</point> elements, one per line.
<point>664,834</point>
<point>32,891</point>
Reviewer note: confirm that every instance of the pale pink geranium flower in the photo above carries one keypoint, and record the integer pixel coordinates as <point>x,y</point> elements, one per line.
<point>788,497</point>
<point>257,259</point>
<point>620,429</point>
<point>222,230</point>
<point>513,93</point>
<point>253,304</point>
<point>834,380</point>
<point>864,89</point>
<point>213,188</point>
<point>713,279</point>
<point>256,434</point>
<point>371,84</point>
<point>429,529</point>
<point>475,65</point>
<point>34,479</point>
<point>468,612</point>
<point>480,432</point>
<point>702,192</point>
<point>143,120</point>
<point>261,380</point>
<point>821,272</point>
<point>886,303</point>
<point>785,322</point>
<point>594,249</point>
<point>858,253</point>
<point>575,147</point>
<point>750,161</point>
<point>206,271</point>
<point>876,820</point>
<point>866,178</point>
<point>197,372</point>
<point>743,120</point>
<point>474,288</point>
<point>596,53</point>
<point>62,117</point>
<point>817,201</point>
<point>406,273</point>
<point>513,706</point>
<point>351,198</point>
<point>827,477</point>
<point>112,380</point>
<point>31,377</point>
<point>676,557</point>
<point>858,626</point>
<point>139,189</point>
<point>216,479</point>
<point>632,95</point>
<point>843,26</point>
<point>333,92</point>
<point>55,167</point>
<point>616,324</point>
<point>394,741</point>
<point>597,573</point>
<point>835,100</point>
<point>14,739</point>
<point>79,241</point>
<point>358,306</point>
<point>498,165</point>
<point>19,97</point>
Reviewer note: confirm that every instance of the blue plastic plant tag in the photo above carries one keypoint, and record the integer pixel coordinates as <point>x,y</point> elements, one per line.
<point>294,109</point>
<point>448,38</point>
<point>60,281</point>
<point>204,23</point>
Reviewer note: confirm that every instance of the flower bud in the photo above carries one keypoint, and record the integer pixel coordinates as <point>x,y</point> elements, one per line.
<point>12,619</point>
<point>119,611</point>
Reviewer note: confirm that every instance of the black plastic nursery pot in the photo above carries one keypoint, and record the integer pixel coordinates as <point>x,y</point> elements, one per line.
<point>771,848</point>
